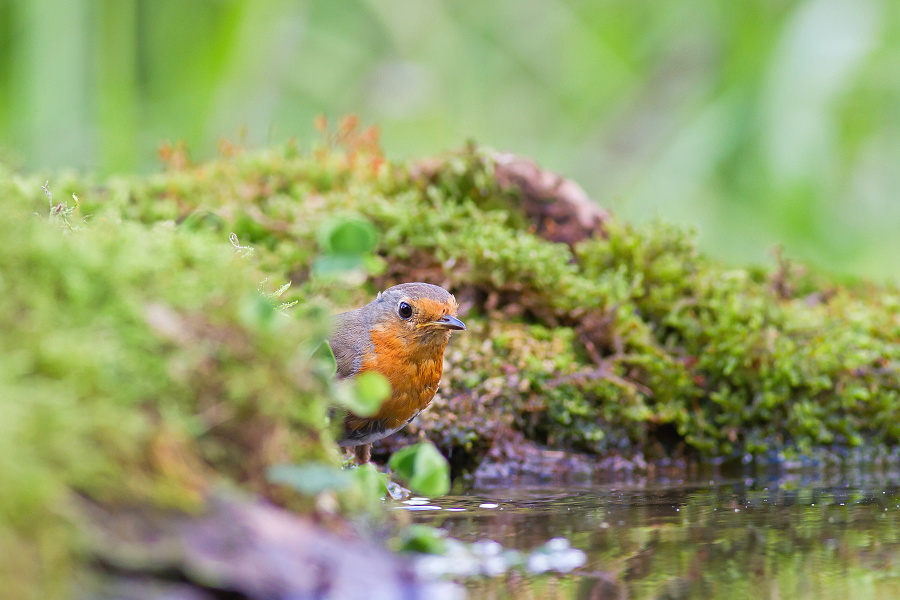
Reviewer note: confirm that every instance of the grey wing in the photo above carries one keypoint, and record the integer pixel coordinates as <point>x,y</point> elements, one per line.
<point>349,342</point>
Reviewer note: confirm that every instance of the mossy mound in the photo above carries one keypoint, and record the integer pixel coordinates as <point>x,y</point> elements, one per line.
<point>144,363</point>
<point>595,345</point>
<point>667,340</point>
<point>619,338</point>
<point>139,365</point>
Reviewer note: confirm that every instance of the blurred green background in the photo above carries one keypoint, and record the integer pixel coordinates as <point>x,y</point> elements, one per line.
<point>760,122</point>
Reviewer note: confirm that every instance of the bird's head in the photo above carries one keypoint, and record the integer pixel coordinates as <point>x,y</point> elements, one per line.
<point>419,311</point>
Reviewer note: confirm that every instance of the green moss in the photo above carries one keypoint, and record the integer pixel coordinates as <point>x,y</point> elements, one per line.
<point>143,330</point>
<point>139,364</point>
<point>735,359</point>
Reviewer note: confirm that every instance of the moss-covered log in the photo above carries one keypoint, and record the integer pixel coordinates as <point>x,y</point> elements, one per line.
<point>139,361</point>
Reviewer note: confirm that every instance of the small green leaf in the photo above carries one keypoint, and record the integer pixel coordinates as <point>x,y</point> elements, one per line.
<point>422,539</point>
<point>347,243</point>
<point>332,264</point>
<point>325,357</point>
<point>432,480</point>
<point>372,389</point>
<point>257,311</point>
<point>402,462</point>
<point>310,478</point>
<point>364,394</point>
<point>371,481</point>
<point>348,236</point>
<point>424,468</point>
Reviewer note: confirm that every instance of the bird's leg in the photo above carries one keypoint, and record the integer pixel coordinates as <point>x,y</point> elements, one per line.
<point>363,453</point>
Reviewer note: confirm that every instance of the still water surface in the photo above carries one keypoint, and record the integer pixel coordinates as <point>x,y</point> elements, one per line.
<point>778,537</point>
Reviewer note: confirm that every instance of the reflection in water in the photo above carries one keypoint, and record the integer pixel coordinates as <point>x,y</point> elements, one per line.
<point>778,538</point>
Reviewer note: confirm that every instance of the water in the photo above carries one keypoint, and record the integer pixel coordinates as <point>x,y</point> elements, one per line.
<point>775,538</point>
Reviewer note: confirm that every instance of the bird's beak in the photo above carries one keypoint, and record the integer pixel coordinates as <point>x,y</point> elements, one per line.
<point>449,322</point>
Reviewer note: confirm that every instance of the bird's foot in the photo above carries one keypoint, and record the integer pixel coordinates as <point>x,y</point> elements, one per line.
<point>363,453</point>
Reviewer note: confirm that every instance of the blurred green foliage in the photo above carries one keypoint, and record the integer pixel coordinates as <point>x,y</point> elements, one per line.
<point>423,468</point>
<point>422,539</point>
<point>146,364</point>
<point>363,395</point>
<point>762,122</point>
<point>310,478</point>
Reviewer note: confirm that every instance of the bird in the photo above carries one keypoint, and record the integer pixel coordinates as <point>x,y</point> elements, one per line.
<point>401,334</point>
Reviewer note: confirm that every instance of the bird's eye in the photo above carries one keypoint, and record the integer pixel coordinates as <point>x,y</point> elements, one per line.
<point>405,310</point>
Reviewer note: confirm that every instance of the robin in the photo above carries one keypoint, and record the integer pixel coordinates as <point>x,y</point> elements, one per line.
<point>401,334</point>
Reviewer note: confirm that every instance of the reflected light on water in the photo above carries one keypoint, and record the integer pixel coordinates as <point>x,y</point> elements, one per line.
<point>749,538</point>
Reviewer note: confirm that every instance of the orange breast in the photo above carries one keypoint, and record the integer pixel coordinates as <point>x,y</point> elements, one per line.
<point>413,369</point>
